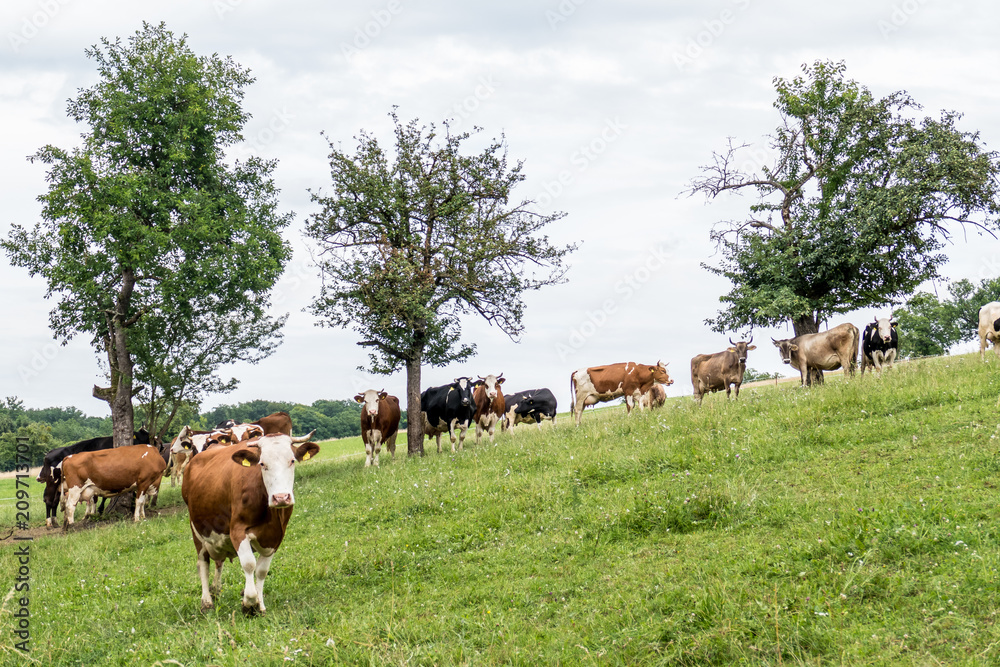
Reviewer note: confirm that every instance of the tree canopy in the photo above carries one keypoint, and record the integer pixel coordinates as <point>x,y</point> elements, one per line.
<point>930,326</point>
<point>409,245</point>
<point>855,209</point>
<point>156,246</point>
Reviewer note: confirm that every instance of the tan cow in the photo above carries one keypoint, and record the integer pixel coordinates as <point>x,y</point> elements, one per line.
<point>597,384</point>
<point>111,472</point>
<point>823,351</point>
<point>989,328</point>
<point>490,404</point>
<point>239,502</point>
<point>654,398</point>
<point>380,415</point>
<point>722,370</point>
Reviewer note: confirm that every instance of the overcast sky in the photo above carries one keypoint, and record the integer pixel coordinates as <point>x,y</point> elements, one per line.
<point>613,106</point>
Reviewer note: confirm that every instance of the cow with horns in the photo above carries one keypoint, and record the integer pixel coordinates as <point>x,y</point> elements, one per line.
<point>722,370</point>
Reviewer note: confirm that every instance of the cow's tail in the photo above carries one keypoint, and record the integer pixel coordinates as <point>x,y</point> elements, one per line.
<point>572,389</point>
<point>857,348</point>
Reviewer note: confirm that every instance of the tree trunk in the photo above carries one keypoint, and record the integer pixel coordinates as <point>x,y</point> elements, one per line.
<point>809,324</point>
<point>414,420</point>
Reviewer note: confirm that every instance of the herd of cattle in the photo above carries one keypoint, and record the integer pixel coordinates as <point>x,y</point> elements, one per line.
<point>238,478</point>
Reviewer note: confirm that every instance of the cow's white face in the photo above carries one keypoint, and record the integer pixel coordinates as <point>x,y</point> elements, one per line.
<point>491,383</point>
<point>369,401</point>
<point>182,441</point>
<point>884,326</point>
<point>277,460</point>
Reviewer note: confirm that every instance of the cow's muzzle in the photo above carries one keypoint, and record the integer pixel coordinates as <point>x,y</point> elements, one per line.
<point>281,500</point>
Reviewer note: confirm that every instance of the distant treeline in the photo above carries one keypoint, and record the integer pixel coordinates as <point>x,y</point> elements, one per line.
<point>49,428</point>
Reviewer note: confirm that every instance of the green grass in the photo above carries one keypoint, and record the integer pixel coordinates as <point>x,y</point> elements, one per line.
<point>852,524</point>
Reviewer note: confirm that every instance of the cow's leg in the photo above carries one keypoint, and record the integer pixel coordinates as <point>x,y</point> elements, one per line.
<point>890,357</point>
<point>493,428</point>
<point>629,402</point>
<point>479,433</point>
<point>206,592</point>
<point>251,602</point>
<point>217,583</point>
<point>377,448</point>
<point>368,453</point>
<point>87,496</point>
<point>578,410</point>
<point>462,429</point>
<point>982,346</point>
<point>390,444</point>
<point>438,436</point>
<point>70,498</point>
<point>736,388</point>
<point>263,565</point>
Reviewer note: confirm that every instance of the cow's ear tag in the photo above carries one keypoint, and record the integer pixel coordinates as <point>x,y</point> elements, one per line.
<point>306,456</point>
<point>246,463</point>
<point>451,389</point>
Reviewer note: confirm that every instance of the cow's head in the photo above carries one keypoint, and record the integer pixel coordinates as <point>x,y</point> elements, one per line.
<point>369,400</point>
<point>140,437</point>
<point>660,374</point>
<point>276,455</point>
<point>464,388</point>
<point>491,383</point>
<point>222,437</point>
<point>883,329</point>
<point>182,441</point>
<point>785,348</point>
<point>49,472</point>
<point>741,348</point>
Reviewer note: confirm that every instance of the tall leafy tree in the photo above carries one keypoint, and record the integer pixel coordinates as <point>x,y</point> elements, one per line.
<point>146,221</point>
<point>410,244</point>
<point>930,326</point>
<point>855,208</point>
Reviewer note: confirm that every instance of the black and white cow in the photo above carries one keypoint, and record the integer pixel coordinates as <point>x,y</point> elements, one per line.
<point>879,344</point>
<point>530,407</point>
<point>51,473</point>
<point>448,408</point>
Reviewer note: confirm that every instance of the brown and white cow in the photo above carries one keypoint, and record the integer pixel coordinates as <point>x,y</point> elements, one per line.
<point>722,370</point>
<point>239,502</point>
<point>490,404</point>
<point>111,472</point>
<point>379,423</point>
<point>596,384</point>
<point>989,328</point>
<point>654,398</point>
<point>823,351</point>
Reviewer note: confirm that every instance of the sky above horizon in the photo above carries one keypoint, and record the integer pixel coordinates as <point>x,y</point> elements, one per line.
<point>613,107</point>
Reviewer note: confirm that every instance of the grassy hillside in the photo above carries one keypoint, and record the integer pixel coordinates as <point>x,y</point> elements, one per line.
<point>850,524</point>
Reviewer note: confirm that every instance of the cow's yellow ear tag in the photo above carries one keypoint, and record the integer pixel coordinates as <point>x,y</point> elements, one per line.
<point>246,463</point>
<point>307,456</point>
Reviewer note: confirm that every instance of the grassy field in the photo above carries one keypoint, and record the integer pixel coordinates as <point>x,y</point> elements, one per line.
<point>853,523</point>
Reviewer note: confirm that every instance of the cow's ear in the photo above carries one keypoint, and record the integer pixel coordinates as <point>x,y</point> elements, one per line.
<point>383,394</point>
<point>894,323</point>
<point>306,451</point>
<point>360,398</point>
<point>500,380</point>
<point>246,457</point>
<point>730,349</point>
<point>793,347</point>
<point>751,347</point>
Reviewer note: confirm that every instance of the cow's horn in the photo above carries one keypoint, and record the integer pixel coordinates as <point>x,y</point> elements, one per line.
<point>751,339</point>
<point>731,341</point>
<point>303,438</point>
